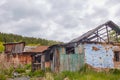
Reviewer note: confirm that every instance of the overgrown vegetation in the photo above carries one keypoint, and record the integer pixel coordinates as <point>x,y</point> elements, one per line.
<point>88,74</point>
<point>83,74</point>
<point>38,73</point>
<point>9,73</point>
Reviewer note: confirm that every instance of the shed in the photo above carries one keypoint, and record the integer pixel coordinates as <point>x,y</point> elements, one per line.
<point>13,48</point>
<point>14,51</point>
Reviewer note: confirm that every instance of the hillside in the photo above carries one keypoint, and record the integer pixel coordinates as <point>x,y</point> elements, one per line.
<point>5,37</point>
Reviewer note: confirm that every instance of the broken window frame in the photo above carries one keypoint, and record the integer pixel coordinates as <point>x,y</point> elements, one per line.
<point>70,50</point>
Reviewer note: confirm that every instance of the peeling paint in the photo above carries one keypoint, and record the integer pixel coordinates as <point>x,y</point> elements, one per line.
<point>102,58</point>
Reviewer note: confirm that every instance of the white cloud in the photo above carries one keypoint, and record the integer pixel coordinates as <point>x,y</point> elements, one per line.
<point>60,20</point>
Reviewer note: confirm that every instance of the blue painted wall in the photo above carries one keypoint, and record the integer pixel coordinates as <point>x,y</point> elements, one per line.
<point>103,57</point>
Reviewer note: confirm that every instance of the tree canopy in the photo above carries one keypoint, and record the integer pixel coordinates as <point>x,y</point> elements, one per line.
<point>4,37</point>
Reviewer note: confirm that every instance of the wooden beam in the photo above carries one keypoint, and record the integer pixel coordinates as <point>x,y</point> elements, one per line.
<point>101,38</point>
<point>95,36</point>
<point>101,29</point>
<point>107,34</point>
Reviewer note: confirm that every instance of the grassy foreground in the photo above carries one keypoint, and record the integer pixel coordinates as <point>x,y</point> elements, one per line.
<point>83,74</point>
<point>88,74</point>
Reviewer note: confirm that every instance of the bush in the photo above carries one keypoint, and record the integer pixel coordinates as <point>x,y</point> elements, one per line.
<point>38,73</point>
<point>9,72</point>
<point>28,66</point>
<point>2,77</point>
<point>47,70</point>
<point>114,71</point>
<point>20,70</point>
<point>1,47</point>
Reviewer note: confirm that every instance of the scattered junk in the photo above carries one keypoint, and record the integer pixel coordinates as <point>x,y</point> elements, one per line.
<point>99,48</point>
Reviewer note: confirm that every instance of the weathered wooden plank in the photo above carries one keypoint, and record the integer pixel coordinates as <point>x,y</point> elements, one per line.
<point>71,62</point>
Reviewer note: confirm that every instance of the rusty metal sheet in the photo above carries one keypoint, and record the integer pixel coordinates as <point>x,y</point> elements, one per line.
<point>71,62</point>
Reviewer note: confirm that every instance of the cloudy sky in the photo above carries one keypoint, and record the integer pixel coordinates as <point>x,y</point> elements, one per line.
<point>60,20</point>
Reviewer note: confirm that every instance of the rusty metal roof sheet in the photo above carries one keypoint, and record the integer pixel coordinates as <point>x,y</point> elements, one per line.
<point>40,48</point>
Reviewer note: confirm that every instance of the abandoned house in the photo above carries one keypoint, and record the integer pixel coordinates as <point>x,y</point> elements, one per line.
<point>99,48</point>
<point>18,53</point>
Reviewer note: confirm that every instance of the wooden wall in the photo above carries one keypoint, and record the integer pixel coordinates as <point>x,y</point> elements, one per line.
<point>18,59</point>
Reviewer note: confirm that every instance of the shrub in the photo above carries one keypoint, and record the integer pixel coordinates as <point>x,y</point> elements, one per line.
<point>1,47</point>
<point>28,66</point>
<point>2,77</point>
<point>20,70</point>
<point>114,71</point>
<point>38,73</point>
<point>9,72</point>
<point>47,70</point>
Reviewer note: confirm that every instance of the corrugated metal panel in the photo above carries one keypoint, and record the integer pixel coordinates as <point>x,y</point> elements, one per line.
<point>72,62</point>
<point>98,55</point>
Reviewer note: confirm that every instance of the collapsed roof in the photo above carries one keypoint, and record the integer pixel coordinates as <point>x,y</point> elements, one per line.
<point>107,32</point>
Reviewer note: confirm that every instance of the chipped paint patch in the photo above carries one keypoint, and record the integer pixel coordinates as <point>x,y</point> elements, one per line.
<point>102,58</point>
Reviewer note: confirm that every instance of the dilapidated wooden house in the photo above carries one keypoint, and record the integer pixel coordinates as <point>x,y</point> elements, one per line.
<point>17,53</point>
<point>99,48</point>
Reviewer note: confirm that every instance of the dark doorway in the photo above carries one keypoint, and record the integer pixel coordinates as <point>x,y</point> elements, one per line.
<point>117,56</point>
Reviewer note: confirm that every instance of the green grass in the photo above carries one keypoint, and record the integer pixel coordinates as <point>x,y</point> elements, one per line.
<point>88,74</point>
<point>38,73</point>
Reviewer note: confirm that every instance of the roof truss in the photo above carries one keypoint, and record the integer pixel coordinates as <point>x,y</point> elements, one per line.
<point>108,32</point>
